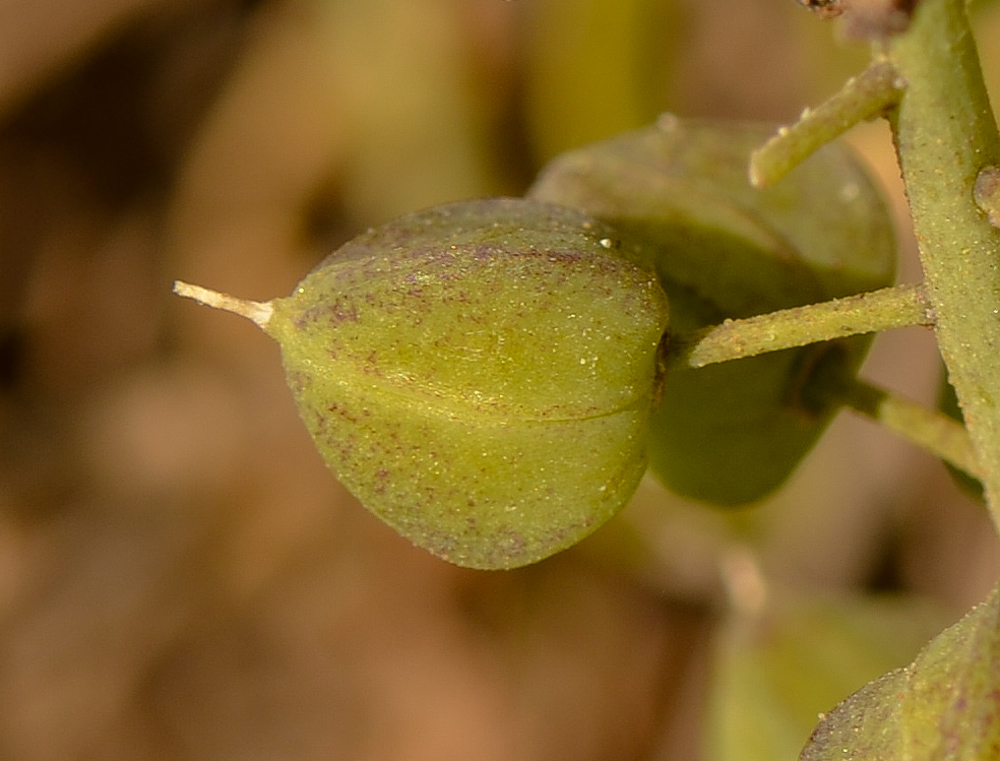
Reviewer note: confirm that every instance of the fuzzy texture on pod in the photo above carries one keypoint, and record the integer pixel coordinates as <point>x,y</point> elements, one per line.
<point>731,433</point>
<point>479,375</point>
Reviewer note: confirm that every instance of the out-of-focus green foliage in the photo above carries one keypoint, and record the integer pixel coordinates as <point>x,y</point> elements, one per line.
<point>945,705</point>
<point>596,67</point>
<point>775,670</point>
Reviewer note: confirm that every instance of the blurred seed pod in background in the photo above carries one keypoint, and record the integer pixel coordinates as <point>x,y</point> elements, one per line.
<point>732,433</point>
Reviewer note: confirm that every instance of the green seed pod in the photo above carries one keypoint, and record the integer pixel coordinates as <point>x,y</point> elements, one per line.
<point>731,433</point>
<point>479,375</point>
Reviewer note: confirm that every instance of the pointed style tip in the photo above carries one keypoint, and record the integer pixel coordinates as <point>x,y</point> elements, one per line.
<point>256,311</point>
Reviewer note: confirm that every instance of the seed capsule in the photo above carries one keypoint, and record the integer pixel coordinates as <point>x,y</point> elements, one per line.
<point>732,433</point>
<point>479,375</point>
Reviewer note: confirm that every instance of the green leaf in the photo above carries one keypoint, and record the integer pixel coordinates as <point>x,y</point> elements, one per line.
<point>944,706</point>
<point>732,433</point>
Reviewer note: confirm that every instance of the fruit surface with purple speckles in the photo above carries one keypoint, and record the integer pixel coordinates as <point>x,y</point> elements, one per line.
<point>479,375</point>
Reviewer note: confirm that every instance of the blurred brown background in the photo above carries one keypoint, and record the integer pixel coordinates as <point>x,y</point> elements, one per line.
<point>180,577</point>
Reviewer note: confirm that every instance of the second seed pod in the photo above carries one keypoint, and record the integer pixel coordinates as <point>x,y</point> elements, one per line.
<point>732,433</point>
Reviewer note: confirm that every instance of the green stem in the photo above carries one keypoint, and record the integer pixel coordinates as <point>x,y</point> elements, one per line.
<point>894,307</point>
<point>870,94</point>
<point>945,135</point>
<point>927,428</point>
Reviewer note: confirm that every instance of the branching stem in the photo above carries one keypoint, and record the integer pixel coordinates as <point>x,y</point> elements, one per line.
<point>895,307</point>
<point>929,429</point>
<point>866,96</point>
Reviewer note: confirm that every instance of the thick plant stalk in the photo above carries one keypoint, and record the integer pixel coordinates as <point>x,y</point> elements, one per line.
<point>945,136</point>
